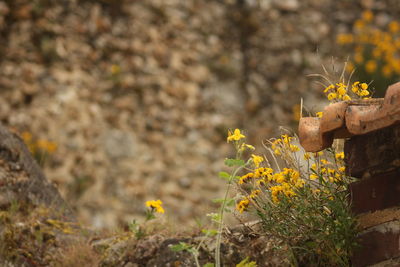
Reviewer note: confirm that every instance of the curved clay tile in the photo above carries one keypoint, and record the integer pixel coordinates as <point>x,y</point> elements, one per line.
<point>347,118</point>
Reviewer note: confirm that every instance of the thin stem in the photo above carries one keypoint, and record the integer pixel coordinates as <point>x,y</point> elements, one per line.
<point>221,216</point>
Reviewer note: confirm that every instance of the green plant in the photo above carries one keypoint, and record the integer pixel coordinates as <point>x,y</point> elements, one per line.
<point>376,51</point>
<point>302,202</point>
<point>155,206</point>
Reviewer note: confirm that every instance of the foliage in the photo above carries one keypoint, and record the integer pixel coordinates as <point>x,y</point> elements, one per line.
<point>376,51</point>
<point>301,201</point>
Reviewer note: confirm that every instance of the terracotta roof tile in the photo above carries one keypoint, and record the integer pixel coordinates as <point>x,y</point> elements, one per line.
<point>347,118</point>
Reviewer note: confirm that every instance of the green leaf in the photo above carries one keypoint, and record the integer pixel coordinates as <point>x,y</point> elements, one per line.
<point>181,247</point>
<point>218,200</point>
<point>234,162</point>
<point>215,217</point>
<point>224,175</point>
<point>210,232</point>
<point>209,264</point>
<point>246,263</point>
<point>230,202</point>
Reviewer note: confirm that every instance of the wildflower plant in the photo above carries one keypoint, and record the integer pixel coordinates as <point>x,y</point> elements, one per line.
<point>153,207</point>
<point>41,149</point>
<point>338,89</point>
<point>376,51</point>
<point>301,200</point>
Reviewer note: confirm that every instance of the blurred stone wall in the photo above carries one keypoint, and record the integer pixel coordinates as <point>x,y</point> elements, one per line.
<point>138,95</point>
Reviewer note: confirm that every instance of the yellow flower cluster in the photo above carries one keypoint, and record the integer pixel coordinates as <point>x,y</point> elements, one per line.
<point>276,183</point>
<point>327,170</point>
<point>360,89</point>
<point>376,50</point>
<point>155,205</point>
<point>39,145</point>
<point>340,92</point>
<point>283,144</point>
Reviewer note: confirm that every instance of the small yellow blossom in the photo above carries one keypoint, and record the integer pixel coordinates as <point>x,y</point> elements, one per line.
<point>346,97</point>
<point>307,156</point>
<point>394,26</point>
<point>313,176</point>
<point>254,193</point>
<point>243,205</point>
<point>367,15</point>
<point>245,178</point>
<point>364,86</point>
<point>115,69</point>
<point>155,204</point>
<point>294,148</point>
<point>257,160</point>
<point>332,96</point>
<point>339,156</point>
<point>370,66</point>
<point>236,136</point>
<point>319,114</point>
<point>344,38</point>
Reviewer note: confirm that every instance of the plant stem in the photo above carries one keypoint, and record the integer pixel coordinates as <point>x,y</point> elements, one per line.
<point>221,216</point>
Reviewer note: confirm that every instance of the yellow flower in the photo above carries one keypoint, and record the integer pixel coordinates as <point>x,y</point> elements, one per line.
<point>236,136</point>
<point>339,156</point>
<point>370,66</point>
<point>294,148</point>
<point>359,24</point>
<point>394,26</point>
<point>254,193</point>
<point>257,160</point>
<point>332,96</point>
<point>349,67</point>
<point>367,15</point>
<point>243,205</point>
<point>364,86</point>
<point>245,178</point>
<point>341,90</point>
<point>307,156</point>
<point>342,169</point>
<point>358,58</point>
<point>346,97</point>
<point>330,87</point>
<point>115,69</point>
<point>26,136</point>
<point>277,152</point>
<point>324,162</point>
<point>387,71</point>
<point>155,204</point>
<point>344,38</point>
<point>319,114</point>
<point>364,93</point>
<point>313,176</point>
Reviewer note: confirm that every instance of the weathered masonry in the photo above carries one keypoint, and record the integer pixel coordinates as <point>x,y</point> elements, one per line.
<point>372,154</point>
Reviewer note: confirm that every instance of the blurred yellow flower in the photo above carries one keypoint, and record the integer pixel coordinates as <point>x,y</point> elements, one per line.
<point>370,66</point>
<point>394,27</point>
<point>367,15</point>
<point>155,204</point>
<point>257,160</point>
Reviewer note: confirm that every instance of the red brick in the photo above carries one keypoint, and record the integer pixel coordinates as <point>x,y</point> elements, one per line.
<point>378,244</point>
<point>375,193</point>
<point>374,152</point>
